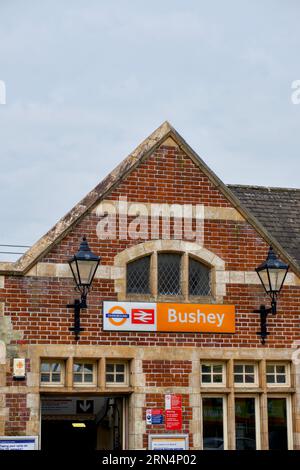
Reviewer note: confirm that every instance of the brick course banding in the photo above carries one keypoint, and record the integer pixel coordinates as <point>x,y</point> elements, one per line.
<point>34,320</point>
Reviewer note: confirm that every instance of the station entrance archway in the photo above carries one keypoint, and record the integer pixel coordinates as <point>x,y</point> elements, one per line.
<point>83,422</point>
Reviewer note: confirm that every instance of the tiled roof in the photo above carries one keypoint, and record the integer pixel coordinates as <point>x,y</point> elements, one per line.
<point>278,210</point>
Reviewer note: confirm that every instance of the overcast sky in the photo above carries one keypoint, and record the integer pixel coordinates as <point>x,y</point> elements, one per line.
<point>87,81</point>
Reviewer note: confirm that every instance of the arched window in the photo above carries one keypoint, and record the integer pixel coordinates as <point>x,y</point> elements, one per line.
<point>171,274</point>
<point>138,276</point>
<point>199,278</point>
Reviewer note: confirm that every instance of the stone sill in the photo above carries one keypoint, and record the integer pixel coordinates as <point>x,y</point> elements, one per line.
<point>85,390</point>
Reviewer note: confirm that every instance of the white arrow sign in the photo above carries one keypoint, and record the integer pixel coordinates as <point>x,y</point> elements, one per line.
<point>85,405</point>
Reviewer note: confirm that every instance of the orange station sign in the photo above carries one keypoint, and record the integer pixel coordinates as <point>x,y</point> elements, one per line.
<point>150,316</point>
<point>196,317</point>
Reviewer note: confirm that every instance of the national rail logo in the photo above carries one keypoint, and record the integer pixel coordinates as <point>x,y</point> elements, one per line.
<point>142,316</point>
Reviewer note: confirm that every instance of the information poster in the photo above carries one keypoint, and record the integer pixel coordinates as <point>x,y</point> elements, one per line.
<point>173,406</point>
<point>19,443</point>
<point>168,442</point>
<point>154,416</point>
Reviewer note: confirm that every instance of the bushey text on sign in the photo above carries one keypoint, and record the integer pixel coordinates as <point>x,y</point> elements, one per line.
<point>150,316</point>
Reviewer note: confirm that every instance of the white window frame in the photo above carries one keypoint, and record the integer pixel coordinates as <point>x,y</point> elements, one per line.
<point>289,417</point>
<point>287,374</point>
<point>211,364</point>
<point>126,373</point>
<point>246,384</point>
<point>257,418</point>
<point>61,383</point>
<point>225,417</point>
<point>85,384</point>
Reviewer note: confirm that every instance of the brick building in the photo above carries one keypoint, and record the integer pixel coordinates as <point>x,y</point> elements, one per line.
<point>117,382</point>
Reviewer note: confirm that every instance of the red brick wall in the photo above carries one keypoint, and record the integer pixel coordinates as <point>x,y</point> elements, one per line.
<point>168,176</point>
<point>18,414</point>
<point>37,306</point>
<point>157,401</point>
<point>167,373</point>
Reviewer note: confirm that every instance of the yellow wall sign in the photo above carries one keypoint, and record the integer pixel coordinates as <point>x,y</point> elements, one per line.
<point>150,316</point>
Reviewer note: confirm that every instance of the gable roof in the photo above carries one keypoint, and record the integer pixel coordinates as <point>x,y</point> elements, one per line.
<point>278,210</point>
<point>146,148</point>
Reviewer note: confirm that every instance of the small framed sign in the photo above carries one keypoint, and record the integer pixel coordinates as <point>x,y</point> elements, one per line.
<point>154,416</point>
<point>168,442</point>
<point>19,368</point>
<point>19,443</point>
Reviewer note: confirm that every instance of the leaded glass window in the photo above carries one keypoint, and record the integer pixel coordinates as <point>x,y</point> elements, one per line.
<point>169,274</point>
<point>138,276</point>
<point>199,278</point>
<point>174,276</point>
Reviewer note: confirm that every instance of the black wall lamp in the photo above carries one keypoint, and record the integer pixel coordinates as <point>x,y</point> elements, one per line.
<point>272,274</point>
<point>83,266</point>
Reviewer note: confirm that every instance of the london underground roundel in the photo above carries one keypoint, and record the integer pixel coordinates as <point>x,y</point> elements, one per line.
<point>117,315</point>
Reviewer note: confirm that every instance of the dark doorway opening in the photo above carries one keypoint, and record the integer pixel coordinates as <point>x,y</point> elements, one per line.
<point>62,435</point>
<point>92,423</point>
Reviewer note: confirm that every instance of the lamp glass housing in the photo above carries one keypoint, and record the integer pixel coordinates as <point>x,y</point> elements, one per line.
<point>84,265</point>
<point>272,273</point>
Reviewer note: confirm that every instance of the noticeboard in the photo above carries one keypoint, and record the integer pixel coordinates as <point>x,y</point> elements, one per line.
<point>19,443</point>
<point>168,442</point>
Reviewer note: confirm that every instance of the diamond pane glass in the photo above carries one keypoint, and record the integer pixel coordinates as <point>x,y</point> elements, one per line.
<point>199,278</point>
<point>138,276</point>
<point>169,265</point>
